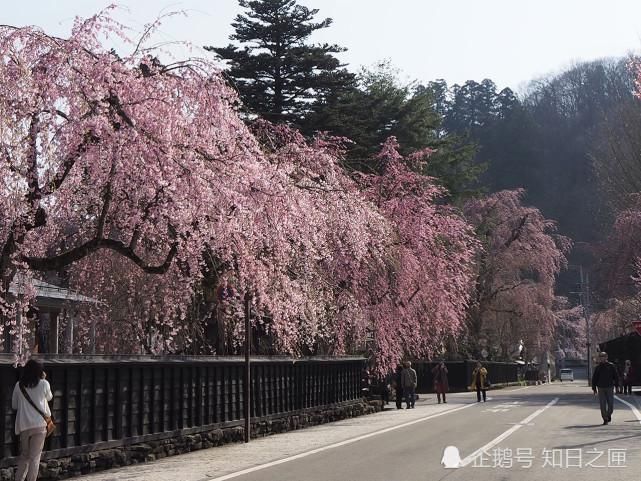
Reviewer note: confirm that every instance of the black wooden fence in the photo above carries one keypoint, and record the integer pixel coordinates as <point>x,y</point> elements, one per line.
<point>111,401</point>
<point>460,373</point>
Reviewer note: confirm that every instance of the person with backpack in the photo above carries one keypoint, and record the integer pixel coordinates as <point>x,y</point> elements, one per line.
<point>33,418</point>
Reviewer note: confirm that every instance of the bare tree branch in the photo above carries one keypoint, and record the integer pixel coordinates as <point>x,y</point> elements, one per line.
<point>69,257</point>
<point>516,232</point>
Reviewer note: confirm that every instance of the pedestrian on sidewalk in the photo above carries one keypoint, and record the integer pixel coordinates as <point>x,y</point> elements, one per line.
<point>408,382</point>
<point>605,379</point>
<point>441,386</point>
<point>32,389</point>
<point>398,386</point>
<point>627,377</point>
<point>479,382</point>
<point>619,369</point>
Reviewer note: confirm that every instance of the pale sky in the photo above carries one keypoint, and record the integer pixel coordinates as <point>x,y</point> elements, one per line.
<point>508,41</point>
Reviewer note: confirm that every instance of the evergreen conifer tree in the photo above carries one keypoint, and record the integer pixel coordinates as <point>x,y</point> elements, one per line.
<point>280,77</point>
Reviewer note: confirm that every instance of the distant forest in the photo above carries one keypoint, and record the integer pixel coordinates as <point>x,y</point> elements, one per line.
<point>572,140</point>
<point>561,141</point>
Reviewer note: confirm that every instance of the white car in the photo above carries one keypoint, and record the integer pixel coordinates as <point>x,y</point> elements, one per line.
<point>567,375</point>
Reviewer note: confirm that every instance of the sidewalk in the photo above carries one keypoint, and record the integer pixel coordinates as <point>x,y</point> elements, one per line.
<point>214,463</point>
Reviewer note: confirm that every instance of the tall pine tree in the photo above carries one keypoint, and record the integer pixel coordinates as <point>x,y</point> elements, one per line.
<point>279,76</point>
<point>380,106</point>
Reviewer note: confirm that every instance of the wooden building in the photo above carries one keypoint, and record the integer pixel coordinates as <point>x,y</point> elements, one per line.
<point>625,347</point>
<point>51,321</point>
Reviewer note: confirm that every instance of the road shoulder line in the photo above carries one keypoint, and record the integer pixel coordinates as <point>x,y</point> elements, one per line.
<point>338,444</point>
<point>634,409</point>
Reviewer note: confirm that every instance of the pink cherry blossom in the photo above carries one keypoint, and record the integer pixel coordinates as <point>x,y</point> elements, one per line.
<point>140,179</point>
<point>517,268</point>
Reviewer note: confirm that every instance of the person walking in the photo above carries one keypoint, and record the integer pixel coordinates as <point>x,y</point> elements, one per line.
<point>619,370</point>
<point>627,377</point>
<point>441,386</point>
<point>604,380</point>
<point>32,389</point>
<point>408,382</point>
<point>398,386</point>
<point>479,382</point>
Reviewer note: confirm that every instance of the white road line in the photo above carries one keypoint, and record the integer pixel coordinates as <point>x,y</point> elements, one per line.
<point>634,408</point>
<point>336,445</point>
<point>519,389</point>
<point>501,437</point>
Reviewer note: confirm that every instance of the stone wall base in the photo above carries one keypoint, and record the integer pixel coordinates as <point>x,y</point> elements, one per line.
<point>98,459</point>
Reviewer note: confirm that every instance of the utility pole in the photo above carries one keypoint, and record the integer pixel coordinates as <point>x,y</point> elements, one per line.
<point>585,302</point>
<point>247,386</point>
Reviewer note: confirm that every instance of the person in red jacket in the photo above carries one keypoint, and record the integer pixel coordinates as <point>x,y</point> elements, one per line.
<point>441,386</point>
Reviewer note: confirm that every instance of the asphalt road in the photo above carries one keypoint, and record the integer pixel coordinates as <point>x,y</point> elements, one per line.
<point>547,433</point>
<point>550,432</point>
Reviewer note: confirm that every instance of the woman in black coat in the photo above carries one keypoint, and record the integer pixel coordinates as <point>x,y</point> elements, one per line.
<point>398,388</point>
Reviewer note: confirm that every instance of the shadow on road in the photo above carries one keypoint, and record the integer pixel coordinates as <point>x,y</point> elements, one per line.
<point>597,442</point>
